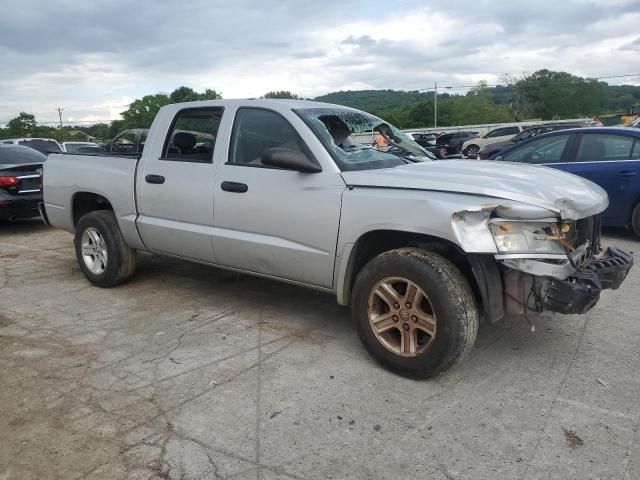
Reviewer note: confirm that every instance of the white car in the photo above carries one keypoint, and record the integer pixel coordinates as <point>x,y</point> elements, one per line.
<point>73,147</point>
<point>471,147</point>
<point>43,145</point>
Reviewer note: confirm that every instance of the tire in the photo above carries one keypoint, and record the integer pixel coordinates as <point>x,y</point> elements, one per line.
<point>471,151</point>
<point>446,294</point>
<point>110,261</point>
<point>635,220</point>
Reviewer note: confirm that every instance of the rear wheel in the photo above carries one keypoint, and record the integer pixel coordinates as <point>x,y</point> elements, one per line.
<point>471,151</point>
<point>415,312</point>
<point>103,256</point>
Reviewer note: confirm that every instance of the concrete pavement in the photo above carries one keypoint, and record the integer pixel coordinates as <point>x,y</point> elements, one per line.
<point>188,372</point>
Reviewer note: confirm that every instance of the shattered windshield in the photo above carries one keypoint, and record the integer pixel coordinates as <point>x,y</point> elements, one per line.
<point>359,141</point>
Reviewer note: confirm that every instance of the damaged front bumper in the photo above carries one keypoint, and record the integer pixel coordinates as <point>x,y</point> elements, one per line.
<point>532,285</point>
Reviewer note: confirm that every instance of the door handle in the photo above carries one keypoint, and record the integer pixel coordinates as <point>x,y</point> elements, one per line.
<point>158,179</point>
<point>627,173</point>
<point>235,187</point>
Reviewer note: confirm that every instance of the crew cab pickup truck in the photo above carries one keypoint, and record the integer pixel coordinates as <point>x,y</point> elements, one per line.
<point>419,249</point>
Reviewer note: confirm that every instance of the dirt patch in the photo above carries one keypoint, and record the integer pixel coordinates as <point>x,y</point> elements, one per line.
<point>572,438</point>
<point>4,321</point>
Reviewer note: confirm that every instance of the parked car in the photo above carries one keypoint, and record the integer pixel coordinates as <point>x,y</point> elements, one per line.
<point>608,156</point>
<point>418,248</point>
<point>128,142</point>
<point>634,124</point>
<point>78,147</point>
<point>20,182</point>
<point>494,148</point>
<point>43,145</point>
<point>453,141</point>
<point>424,139</point>
<point>471,147</point>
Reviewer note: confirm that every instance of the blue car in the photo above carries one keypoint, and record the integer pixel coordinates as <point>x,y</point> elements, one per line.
<point>609,157</point>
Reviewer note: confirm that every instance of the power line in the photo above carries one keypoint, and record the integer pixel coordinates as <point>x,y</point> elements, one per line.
<point>73,122</point>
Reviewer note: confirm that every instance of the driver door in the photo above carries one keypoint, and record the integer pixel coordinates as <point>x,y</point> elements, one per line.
<point>272,221</point>
<point>550,151</point>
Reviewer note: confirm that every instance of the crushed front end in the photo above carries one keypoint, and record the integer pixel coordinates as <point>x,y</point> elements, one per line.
<point>556,266</point>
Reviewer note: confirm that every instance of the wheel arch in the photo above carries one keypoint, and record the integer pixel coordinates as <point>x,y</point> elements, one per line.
<point>480,270</point>
<point>84,202</point>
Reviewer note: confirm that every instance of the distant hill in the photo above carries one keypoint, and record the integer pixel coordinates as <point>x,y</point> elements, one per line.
<point>619,98</point>
<point>375,100</point>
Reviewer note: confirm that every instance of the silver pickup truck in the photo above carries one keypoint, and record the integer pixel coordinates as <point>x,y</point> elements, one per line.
<point>419,249</point>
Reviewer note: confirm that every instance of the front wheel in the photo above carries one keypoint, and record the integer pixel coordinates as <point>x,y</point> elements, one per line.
<point>471,151</point>
<point>104,257</point>
<point>415,312</point>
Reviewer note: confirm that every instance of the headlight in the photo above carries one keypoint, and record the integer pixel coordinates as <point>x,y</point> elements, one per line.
<point>527,237</point>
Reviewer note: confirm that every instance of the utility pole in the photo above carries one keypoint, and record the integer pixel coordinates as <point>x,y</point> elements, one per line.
<point>435,104</point>
<point>60,110</point>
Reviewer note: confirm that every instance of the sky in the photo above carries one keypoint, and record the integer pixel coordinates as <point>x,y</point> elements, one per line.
<point>94,57</point>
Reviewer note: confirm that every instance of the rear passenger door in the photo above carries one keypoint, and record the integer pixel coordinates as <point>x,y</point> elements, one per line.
<point>175,188</point>
<point>613,162</point>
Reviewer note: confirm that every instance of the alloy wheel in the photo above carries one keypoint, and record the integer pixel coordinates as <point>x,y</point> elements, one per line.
<point>401,316</point>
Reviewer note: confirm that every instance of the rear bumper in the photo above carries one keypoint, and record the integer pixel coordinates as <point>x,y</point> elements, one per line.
<point>20,208</point>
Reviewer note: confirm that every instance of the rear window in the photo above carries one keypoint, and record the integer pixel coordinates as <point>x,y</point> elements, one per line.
<point>18,155</point>
<point>44,146</point>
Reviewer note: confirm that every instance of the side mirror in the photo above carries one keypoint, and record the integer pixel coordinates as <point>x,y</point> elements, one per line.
<point>289,159</point>
<point>499,158</point>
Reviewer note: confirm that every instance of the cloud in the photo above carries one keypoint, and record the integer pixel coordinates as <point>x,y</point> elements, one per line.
<point>92,58</point>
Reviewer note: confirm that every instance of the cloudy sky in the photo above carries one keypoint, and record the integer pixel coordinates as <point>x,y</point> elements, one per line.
<point>93,57</point>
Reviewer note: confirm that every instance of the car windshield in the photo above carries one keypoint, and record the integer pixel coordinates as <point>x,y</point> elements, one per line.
<point>360,141</point>
<point>13,155</point>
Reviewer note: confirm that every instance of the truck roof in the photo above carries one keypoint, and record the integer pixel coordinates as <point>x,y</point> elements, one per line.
<point>272,103</point>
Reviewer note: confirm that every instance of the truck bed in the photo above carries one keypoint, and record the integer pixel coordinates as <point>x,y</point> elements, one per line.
<point>68,177</point>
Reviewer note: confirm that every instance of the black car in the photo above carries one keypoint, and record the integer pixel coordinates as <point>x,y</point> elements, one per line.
<point>20,182</point>
<point>489,150</point>
<point>425,140</point>
<point>454,140</point>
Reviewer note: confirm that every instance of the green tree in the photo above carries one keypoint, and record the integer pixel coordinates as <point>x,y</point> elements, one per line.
<point>562,95</point>
<point>281,94</point>
<point>22,126</point>
<point>186,94</point>
<point>142,111</point>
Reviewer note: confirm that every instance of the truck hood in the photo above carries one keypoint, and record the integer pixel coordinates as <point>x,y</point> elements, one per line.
<point>568,195</point>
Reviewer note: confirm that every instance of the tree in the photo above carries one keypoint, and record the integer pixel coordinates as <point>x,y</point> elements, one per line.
<point>281,94</point>
<point>142,111</point>
<point>186,94</point>
<point>22,126</point>
<point>562,95</point>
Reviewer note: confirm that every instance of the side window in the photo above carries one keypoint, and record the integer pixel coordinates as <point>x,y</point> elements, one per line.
<point>510,131</point>
<point>192,137</point>
<point>539,151</point>
<point>256,130</point>
<point>599,147</point>
<point>495,133</point>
